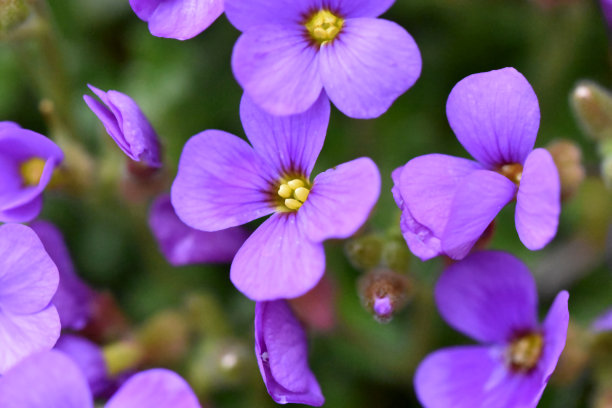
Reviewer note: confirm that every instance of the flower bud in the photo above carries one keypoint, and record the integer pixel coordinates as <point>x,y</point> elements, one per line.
<point>396,255</point>
<point>592,105</point>
<point>568,159</point>
<point>365,251</point>
<point>12,14</point>
<point>164,338</point>
<point>384,292</point>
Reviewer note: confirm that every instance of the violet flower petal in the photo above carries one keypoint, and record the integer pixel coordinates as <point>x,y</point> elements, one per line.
<point>603,322</point>
<point>158,388</point>
<point>477,202</point>
<point>538,202</point>
<point>281,349</point>
<point>360,8</point>
<point>495,115</point>
<point>489,296</point>
<point>340,200</point>
<point>144,8</point>
<point>245,14</point>
<point>73,297</point>
<point>183,245</point>
<point>278,68</point>
<point>23,213</point>
<point>554,329</point>
<point>221,182</point>
<point>287,143</point>
<point>183,19</point>
<point>369,65</point>
<point>278,261</point>
<point>49,379</point>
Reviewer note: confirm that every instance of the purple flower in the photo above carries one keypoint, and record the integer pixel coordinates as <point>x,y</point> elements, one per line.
<point>223,182</point>
<point>73,298</point>
<point>183,245</point>
<point>491,297</point>
<point>179,19</point>
<point>291,50</point>
<point>603,322</point>
<point>281,349</point>
<point>448,202</point>
<point>606,8</point>
<point>27,162</point>
<point>127,126</point>
<point>51,379</point>
<point>28,281</point>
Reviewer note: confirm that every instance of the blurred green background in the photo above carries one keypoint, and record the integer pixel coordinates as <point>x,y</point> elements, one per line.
<point>186,87</point>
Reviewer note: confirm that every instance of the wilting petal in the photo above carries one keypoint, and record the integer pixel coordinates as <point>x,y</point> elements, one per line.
<point>282,354</point>
<point>278,68</point>
<point>183,19</point>
<point>477,202</point>
<point>341,200</point>
<point>554,330</point>
<point>221,182</point>
<point>158,388</point>
<point>28,276</point>
<point>245,14</point>
<point>538,202</point>
<point>603,322</point>
<point>278,261</point>
<point>360,8</point>
<point>489,296</point>
<point>495,116</point>
<point>183,245</point>
<point>50,379</point>
<point>289,144</point>
<point>22,335</point>
<point>369,65</point>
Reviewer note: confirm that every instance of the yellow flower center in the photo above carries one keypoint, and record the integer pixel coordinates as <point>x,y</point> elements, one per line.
<point>324,26</point>
<point>525,352</point>
<point>513,171</point>
<point>31,171</point>
<point>293,193</point>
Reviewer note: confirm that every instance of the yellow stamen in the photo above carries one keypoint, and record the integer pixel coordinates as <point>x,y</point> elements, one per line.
<point>324,26</point>
<point>525,352</point>
<point>31,171</point>
<point>513,171</point>
<point>285,191</point>
<point>293,193</point>
<point>295,184</point>
<point>301,193</point>
<point>292,204</point>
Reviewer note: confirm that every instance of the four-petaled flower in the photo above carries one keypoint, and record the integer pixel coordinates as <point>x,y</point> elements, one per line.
<point>491,297</point>
<point>292,50</point>
<point>448,202</point>
<point>223,182</point>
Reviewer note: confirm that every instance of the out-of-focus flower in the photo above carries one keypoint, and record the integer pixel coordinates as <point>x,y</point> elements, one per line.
<point>223,182</point>
<point>183,245</point>
<point>291,51</point>
<point>448,202</point>
<point>281,349</point>
<point>384,292</point>
<point>28,280</point>
<point>127,126</point>
<point>317,308</point>
<point>491,297</point>
<point>178,19</point>
<point>51,379</point>
<point>73,298</point>
<point>606,8</point>
<point>603,322</point>
<point>27,162</point>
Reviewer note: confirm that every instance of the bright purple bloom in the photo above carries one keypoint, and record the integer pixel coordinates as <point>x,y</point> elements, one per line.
<point>448,202</point>
<point>27,162</point>
<point>178,19</point>
<point>183,245</point>
<point>606,8</point>
<point>292,50</point>
<point>28,281</point>
<point>51,379</point>
<point>223,182</point>
<point>603,322</point>
<point>492,297</point>
<point>73,298</point>
<point>127,126</point>
<point>281,349</point>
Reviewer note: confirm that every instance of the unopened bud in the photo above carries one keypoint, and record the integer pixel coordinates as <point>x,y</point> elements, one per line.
<point>384,292</point>
<point>568,159</point>
<point>12,14</point>
<point>396,255</point>
<point>122,356</point>
<point>164,338</point>
<point>365,252</point>
<point>141,183</point>
<point>592,105</point>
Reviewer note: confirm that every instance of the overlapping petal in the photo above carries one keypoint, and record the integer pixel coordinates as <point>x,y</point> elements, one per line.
<point>246,14</point>
<point>360,8</point>
<point>554,330</point>
<point>221,182</point>
<point>538,202</point>
<point>182,19</point>
<point>278,68</point>
<point>495,115</point>
<point>489,296</point>
<point>477,201</point>
<point>340,200</point>
<point>369,65</point>
<point>289,144</point>
<point>278,261</point>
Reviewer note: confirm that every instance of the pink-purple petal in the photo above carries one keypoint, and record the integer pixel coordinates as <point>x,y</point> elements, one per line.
<point>144,8</point>
<point>554,330</point>
<point>278,261</point>
<point>538,202</point>
<point>603,322</point>
<point>368,66</point>
<point>278,68</point>
<point>289,144</point>
<point>360,8</point>
<point>489,296</point>
<point>246,14</point>
<point>221,182</point>
<point>183,19</point>
<point>340,200</point>
<point>475,205</point>
<point>495,115</point>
